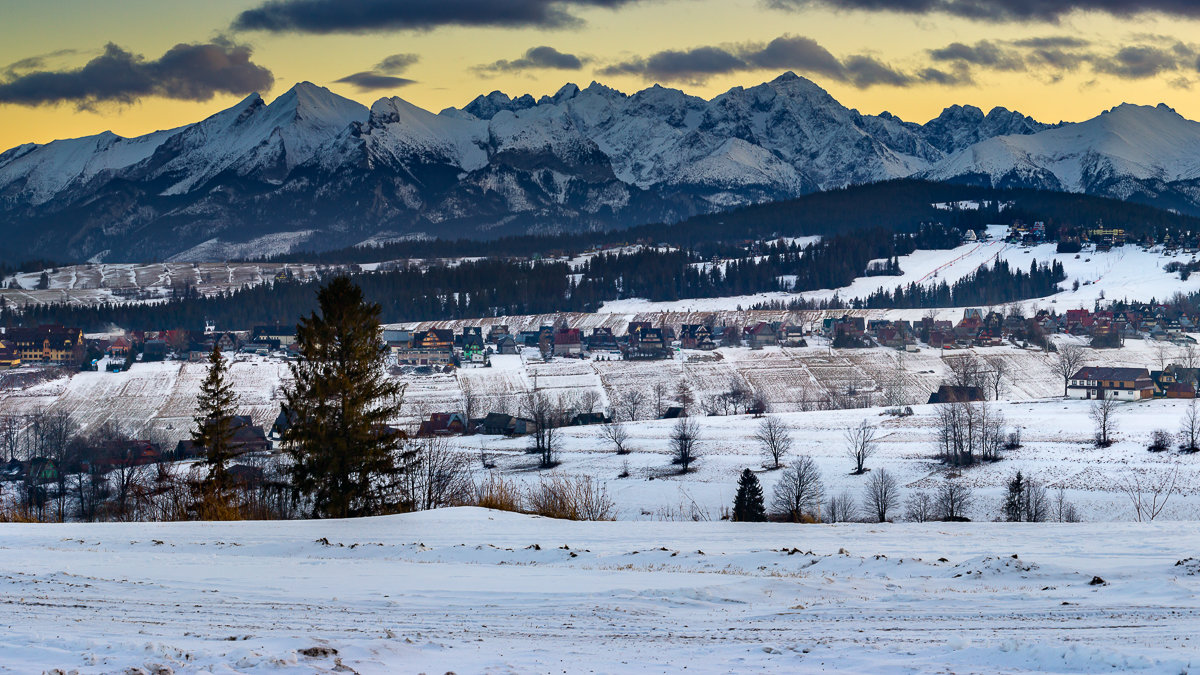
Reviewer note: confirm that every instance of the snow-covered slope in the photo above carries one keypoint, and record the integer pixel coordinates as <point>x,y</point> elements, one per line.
<point>1126,151</point>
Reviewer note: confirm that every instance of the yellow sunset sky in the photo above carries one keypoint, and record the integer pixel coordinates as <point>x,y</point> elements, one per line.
<point>66,34</point>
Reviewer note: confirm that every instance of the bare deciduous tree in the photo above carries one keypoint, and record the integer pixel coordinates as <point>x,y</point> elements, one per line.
<point>860,445</point>
<point>919,507</point>
<point>969,432</point>
<point>995,378</point>
<point>965,370</point>
<point>881,496</point>
<point>618,435</point>
<point>774,439</point>
<point>1064,511</point>
<point>1067,361</point>
<point>658,399</point>
<point>685,439</point>
<point>1189,429</point>
<point>841,509</point>
<point>1104,415</point>
<point>630,404</point>
<point>952,500</point>
<point>588,400</point>
<point>799,492</point>
<point>1149,494</point>
<point>439,476</point>
<point>546,416</point>
<point>470,402</point>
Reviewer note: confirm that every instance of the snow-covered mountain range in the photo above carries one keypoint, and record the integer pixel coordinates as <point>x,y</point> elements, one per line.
<point>315,170</point>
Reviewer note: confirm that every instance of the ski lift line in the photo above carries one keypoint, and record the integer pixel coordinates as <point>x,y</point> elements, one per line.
<point>962,257</point>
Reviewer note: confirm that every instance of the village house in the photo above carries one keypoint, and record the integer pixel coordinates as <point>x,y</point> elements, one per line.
<point>602,340</point>
<point>501,424</point>
<point>434,347</point>
<point>1125,384</point>
<point>761,335</point>
<point>568,342</point>
<point>246,437</point>
<point>442,424</point>
<point>278,336</point>
<point>696,336</point>
<point>49,345</point>
<point>506,345</point>
<point>948,393</point>
<point>791,335</point>
<point>473,350</point>
<point>9,357</point>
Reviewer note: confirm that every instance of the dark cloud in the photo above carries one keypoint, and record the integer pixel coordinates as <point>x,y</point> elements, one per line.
<point>783,53</point>
<point>1052,42</point>
<point>1137,62</point>
<point>1003,10</point>
<point>796,52</point>
<point>385,74</point>
<point>672,65</point>
<point>945,78</point>
<point>369,80</point>
<point>983,53</point>
<point>397,63</point>
<point>28,63</point>
<point>193,72</point>
<point>536,58</point>
<point>1053,57</point>
<point>365,16</point>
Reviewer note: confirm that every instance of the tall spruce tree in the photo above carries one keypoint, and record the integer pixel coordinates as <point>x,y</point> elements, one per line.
<point>748,504</point>
<point>214,433</point>
<point>1014,500</point>
<point>346,461</point>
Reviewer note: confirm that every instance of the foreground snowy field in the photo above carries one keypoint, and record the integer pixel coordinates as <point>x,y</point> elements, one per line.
<point>470,591</point>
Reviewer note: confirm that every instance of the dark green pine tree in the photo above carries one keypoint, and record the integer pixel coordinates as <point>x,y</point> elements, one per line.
<point>346,461</point>
<point>748,504</point>
<point>1014,500</point>
<point>214,433</point>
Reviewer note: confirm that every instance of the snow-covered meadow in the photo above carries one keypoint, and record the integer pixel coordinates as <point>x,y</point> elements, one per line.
<point>474,591</point>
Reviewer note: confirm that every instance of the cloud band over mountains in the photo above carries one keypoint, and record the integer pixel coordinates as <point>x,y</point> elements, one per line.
<point>1050,11</point>
<point>190,72</point>
<point>788,52</point>
<point>366,16</point>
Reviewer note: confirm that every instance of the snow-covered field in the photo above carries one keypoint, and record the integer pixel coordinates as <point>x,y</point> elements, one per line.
<point>1057,452</point>
<point>473,591</point>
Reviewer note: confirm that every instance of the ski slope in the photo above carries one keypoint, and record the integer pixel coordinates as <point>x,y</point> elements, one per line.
<point>1127,272</point>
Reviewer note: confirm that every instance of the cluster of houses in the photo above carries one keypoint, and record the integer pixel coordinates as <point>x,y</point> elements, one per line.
<point>1106,328</point>
<point>641,340</point>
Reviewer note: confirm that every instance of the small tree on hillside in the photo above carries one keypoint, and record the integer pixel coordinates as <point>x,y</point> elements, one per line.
<point>346,461</point>
<point>685,438</point>
<point>1013,497</point>
<point>799,492</point>
<point>860,445</point>
<point>1189,429</point>
<point>774,440</point>
<point>952,501</point>
<point>214,434</point>
<point>1067,361</point>
<point>1104,414</point>
<point>881,496</point>
<point>748,504</point>
<point>618,435</point>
